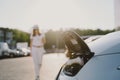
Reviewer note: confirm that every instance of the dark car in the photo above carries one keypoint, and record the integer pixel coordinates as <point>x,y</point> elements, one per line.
<point>98,60</point>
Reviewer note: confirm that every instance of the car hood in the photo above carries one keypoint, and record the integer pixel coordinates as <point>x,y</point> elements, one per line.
<point>109,43</point>
<point>74,43</point>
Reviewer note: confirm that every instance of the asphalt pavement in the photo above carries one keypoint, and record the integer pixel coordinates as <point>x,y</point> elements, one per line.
<point>23,69</point>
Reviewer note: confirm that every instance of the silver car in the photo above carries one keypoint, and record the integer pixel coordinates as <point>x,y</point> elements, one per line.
<point>98,60</point>
<point>5,51</point>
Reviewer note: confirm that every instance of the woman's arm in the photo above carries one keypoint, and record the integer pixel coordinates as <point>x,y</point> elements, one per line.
<point>43,40</point>
<point>30,43</point>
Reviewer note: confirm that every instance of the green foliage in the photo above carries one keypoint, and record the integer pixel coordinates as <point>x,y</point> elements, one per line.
<point>85,32</point>
<point>20,36</point>
<point>54,38</point>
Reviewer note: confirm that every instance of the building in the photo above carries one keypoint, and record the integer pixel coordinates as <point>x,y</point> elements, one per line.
<point>117,14</point>
<point>6,36</point>
<point>1,36</point>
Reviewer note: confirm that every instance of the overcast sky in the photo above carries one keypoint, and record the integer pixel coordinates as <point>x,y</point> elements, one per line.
<point>55,14</point>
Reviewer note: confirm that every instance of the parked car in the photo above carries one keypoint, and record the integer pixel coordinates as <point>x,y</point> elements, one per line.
<point>13,53</point>
<point>93,38</point>
<point>5,51</point>
<point>99,60</point>
<point>21,53</point>
<point>24,51</point>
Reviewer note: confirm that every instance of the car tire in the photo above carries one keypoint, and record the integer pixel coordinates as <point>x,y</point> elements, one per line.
<point>11,55</point>
<point>2,56</point>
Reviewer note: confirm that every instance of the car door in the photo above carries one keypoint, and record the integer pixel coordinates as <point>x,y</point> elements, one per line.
<point>101,67</point>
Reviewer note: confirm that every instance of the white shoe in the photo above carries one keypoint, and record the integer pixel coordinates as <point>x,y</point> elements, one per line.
<point>37,78</point>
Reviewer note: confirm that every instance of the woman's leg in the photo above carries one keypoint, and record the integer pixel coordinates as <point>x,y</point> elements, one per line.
<point>39,59</point>
<point>35,60</point>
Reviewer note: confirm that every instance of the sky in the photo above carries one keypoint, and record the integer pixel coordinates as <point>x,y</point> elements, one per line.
<point>57,14</point>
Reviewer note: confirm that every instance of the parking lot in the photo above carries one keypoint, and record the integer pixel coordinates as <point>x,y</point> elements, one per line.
<point>23,69</point>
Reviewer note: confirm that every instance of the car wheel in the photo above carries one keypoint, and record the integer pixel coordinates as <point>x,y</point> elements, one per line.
<point>2,56</point>
<point>11,55</point>
<point>28,54</point>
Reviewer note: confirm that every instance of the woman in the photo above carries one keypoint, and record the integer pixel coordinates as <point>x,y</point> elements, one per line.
<point>37,41</point>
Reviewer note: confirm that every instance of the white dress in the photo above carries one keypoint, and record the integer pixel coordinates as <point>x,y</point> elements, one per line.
<point>37,52</point>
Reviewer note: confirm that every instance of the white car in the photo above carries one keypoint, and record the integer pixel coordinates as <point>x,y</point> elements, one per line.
<point>99,60</point>
<point>24,51</point>
<point>4,49</point>
<point>13,53</point>
<point>93,38</point>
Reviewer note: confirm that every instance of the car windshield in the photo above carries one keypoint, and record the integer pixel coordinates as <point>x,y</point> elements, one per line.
<point>109,43</point>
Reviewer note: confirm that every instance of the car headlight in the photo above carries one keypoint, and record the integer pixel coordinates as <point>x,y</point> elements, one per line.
<point>17,51</point>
